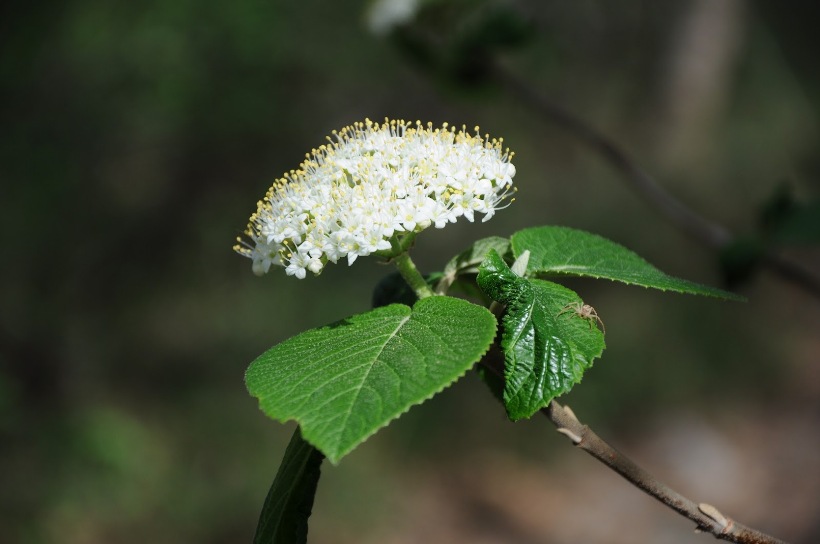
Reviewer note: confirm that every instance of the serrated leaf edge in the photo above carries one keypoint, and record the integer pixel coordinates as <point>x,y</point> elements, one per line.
<point>703,290</point>
<point>334,459</point>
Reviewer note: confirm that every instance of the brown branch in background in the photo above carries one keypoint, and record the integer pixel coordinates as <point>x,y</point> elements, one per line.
<point>707,517</point>
<point>788,270</point>
<point>696,226</point>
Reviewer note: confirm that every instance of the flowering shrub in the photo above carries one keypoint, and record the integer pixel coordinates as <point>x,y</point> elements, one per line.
<point>369,187</point>
<point>370,191</point>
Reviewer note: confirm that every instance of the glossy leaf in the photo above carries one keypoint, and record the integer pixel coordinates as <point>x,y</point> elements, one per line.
<point>547,345</point>
<point>345,381</point>
<point>284,517</point>
<point>563,250</point>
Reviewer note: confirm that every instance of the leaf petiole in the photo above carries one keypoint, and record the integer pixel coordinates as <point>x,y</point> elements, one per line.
<point>412,276</point>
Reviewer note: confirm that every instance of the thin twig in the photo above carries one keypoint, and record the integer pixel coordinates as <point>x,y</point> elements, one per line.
<point>707,517</point>
<point>696,226</point>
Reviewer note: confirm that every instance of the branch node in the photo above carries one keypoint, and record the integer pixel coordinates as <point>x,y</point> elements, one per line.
<point>714,513</point>
<point>706,517</point>
<point>571,435</point>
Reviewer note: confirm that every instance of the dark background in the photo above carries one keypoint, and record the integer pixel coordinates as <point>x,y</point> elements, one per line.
<point>137,138</point>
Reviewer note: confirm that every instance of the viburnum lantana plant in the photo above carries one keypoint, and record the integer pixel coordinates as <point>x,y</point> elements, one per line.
<point>369,192</point>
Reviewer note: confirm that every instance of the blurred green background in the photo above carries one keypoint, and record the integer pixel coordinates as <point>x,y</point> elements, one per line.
<point>137,138</point>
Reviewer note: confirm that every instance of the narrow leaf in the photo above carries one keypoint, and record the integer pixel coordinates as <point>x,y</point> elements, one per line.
<point>345,381</point>
<point>284,517</point>
<point>574,252</point>
<point>547,344</point>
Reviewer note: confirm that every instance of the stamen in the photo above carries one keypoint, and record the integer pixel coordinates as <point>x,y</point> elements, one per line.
<point>371,182</point>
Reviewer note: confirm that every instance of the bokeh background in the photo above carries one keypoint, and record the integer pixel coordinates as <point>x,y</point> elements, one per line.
<point>136,139</point>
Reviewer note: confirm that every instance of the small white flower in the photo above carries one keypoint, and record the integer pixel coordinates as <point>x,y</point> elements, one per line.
<point>297,264</point>
<point>371,185</point>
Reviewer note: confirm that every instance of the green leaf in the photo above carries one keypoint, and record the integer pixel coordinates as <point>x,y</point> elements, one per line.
<point>547,345</point>
<point>345,381</point>
<point>573,252</point>
<point>284,517</point>
<point>467,261</point>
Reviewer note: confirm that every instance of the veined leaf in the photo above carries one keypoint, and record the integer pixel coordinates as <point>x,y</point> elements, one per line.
<point>345,381</point>
<point>563,250</point>
<point>547,345</point>
<point>284,517</point>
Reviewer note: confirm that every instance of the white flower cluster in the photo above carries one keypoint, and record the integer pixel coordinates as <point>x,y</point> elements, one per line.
<point>373,183</point>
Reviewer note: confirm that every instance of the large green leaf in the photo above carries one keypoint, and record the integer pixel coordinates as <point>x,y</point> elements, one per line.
<point>563,250</point>
<point>345,381</point>
<point>547,344</point>
<point>284,517</point>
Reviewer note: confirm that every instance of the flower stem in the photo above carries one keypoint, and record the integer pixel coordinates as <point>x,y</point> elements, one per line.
<point>412,276</point>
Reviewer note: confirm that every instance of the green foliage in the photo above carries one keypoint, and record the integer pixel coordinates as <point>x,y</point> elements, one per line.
<point>345,381</point>
<point>562,250</point>
<point>284,517</point>
<point>468,261</point>
<point>150,125</point>
<point>547,346</point>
